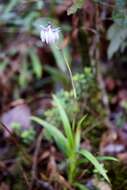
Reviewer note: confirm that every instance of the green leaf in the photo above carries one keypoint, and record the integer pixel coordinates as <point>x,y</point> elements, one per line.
<point>101,158</point>
<point>11,5</point>
<point>81,120</point>
<point>28,20</point>
<point>57,135</point>
<point>56,74</point>
<point>95,162</point>
<point>80,186</point>
<point>78,132</point>
<point>40,4</point>
<point>65,121</point>
<point>117,35</point>
<point>77,5</point>
<point>24,74</point>
<point>37,66</point>
<point>77,138</point>
<point>59,57</point>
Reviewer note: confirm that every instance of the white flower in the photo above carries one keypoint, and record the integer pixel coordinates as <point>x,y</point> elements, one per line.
<point>49,34</point>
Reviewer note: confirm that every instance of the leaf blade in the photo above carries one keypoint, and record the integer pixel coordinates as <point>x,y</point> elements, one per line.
<point>59,138</point>
<point>95,162</point>
<point>65,121</point>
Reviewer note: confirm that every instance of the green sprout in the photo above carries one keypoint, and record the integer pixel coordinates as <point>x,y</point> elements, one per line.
<point>69,141</point>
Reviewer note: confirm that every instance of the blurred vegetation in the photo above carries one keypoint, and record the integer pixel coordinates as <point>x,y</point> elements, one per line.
<point>93,39</point>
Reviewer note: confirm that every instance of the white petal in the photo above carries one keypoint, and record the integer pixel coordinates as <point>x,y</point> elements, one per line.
<point>53,38</point>
<point>56,34</point>
<point>57,30</point>
<point>42,35</point>
<point>50,36</point>
<point>46,37</point>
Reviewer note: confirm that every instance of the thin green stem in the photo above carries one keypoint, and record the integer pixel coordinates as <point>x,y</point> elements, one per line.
<point>72,167</point>
<point>67,64</point>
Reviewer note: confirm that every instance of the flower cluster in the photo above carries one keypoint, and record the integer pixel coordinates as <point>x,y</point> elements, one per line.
<point>49,34</point>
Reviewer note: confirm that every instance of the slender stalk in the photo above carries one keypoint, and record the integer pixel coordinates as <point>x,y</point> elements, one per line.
<point>67,64</point>
<point>68,67</point>
<point>72,168</point>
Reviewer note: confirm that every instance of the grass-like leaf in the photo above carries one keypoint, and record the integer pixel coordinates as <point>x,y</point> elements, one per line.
<point>59,138</point>
<point>58,55</point>
<point>36,64</point>
<point>65,121</point>
<point>77,138</point>
<point>10,6</point>
<point>81,121</point>
<point>81,186</point>
<point>101,158</point>
<point>78,133</point>
<point>94,161</point>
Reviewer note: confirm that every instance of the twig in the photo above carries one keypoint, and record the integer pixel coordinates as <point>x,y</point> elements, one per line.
<point>24,175</point>
<point>18,146</point>
<point>34,167</point>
